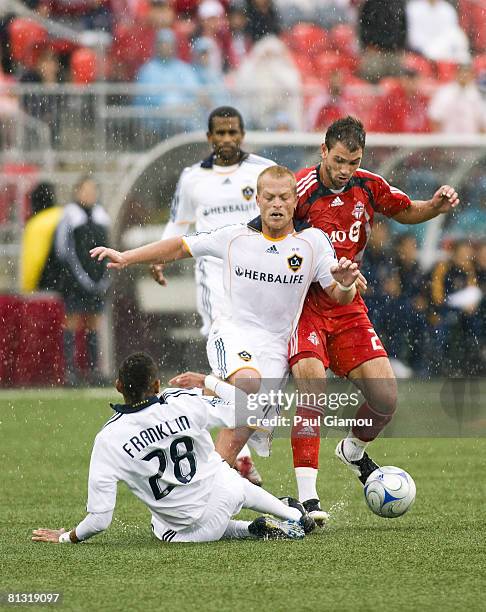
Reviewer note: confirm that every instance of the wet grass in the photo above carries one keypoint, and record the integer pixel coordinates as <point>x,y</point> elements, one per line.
<point>434,558</point>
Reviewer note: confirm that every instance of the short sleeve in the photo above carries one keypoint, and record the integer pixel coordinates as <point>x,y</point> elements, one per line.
<point>388,200</point>
<point>325,260</point>
<point>220,413</point>
<point>213,244</point>
<point>102,480</point>
<point>181,207</point>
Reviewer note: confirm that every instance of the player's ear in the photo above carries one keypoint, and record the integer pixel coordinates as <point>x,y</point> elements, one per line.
<point>156,386</point>
<point>324,150</point>
<point>119,386</point>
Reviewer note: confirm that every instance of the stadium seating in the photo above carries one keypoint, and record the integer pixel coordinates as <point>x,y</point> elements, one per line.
<point>26,38</point>
<point>9,326</point>
<point>84,66</point>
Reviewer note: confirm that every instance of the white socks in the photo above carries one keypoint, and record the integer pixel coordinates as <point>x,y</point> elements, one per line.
<point>306,483</point>
<point>260,500</point>
<point>237,530</point>
<point>353,448</point>
<point>244,452</point>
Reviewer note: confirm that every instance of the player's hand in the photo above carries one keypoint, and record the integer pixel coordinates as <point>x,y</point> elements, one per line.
<point>117,259</point>
<point>157,271</point>
<point>188,380</point>
<point>445,199</point>
<point>47,535</point>
<point>346,272</point>
<point>361,282</point>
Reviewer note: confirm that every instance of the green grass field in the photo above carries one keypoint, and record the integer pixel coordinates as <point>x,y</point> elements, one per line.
<point>434,558</point>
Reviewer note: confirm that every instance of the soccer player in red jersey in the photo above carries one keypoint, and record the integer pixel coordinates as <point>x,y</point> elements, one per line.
<point>341,198</point>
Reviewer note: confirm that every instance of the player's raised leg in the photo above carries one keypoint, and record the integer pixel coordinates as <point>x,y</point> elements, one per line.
<point>376,380</point>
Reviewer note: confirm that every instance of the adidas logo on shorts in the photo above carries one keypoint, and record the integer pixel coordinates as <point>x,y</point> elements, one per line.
<point>272,249</point>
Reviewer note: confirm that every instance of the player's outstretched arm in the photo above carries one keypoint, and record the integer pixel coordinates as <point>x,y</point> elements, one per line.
<point>162,251</point>
<point>444,200</point>
<point>52,536</point>
<point>347,277</point>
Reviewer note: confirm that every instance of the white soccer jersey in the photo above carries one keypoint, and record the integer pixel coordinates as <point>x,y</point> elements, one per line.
<point>163,451</point>
<point>266,281</point>
<point>211,196</point>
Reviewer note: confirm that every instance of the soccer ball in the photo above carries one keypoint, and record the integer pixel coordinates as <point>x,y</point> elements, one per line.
<point>389,491</point>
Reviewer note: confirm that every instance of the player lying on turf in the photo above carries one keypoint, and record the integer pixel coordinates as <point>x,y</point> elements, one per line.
<point>160,446</point>
<point>268,266</point>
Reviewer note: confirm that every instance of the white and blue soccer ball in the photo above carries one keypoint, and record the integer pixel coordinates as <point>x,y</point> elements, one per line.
<point>389,491</point>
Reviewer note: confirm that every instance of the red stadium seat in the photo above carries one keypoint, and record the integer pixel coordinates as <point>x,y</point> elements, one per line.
<point>84,67</point>
<point>446,71</point>
<point>420,64</point>
<point>327,63</point>
<point>343,39</point>
<point>308,39</point>
<point>10,317</point>
<point>26,37</point>
<point>39,358</point>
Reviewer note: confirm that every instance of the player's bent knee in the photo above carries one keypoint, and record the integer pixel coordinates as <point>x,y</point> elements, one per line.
<point>382,395</point>
<point>246,379</point>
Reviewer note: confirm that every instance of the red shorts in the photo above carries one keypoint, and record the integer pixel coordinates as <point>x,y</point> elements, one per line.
<point>341,343</point>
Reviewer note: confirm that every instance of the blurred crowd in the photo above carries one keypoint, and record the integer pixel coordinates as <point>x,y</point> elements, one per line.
<point>402,66</point>
<point>431,323</point>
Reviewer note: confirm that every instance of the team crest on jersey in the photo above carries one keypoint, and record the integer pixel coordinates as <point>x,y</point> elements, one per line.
<point>248,192</point>
<point>313,338</point>
<point>358,210</point>
<point>245,355</point>
<point>295,262</point>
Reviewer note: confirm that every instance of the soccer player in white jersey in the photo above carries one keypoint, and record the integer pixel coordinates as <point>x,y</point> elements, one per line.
<point>217,191</point>
<point>268,267</point>
<point>160,446</point>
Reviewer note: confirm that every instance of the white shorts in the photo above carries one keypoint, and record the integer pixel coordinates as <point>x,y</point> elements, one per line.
<point>226,499</point>
<point>231,349</point>
<point>209,290</point>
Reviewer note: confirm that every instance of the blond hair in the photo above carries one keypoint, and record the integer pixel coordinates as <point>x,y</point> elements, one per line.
<point>276,172</point>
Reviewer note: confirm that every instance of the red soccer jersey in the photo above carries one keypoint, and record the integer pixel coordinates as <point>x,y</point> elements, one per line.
<point>347,217</point>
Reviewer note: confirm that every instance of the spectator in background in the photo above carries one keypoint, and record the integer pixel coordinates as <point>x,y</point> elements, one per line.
<point>213,91</point>
<point>456,299</point>
<point>45,105</point>
<point>457,107</point>
<point>213,25</point>
<point>414,349</point>
<point>83,225</point>
<point>262,19</point>
<point>480,269</point>
<point>174,84</point>
<point>382,28</point>
<point>135,44</point>
<point>330,106</point>
<point>241,41</point>
<point>434,31</point>
<point>268,83</point>
<point>403,107</point>
<point>39,266</point>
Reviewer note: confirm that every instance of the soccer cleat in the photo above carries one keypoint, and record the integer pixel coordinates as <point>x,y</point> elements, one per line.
<point>362,468</point>
<point>313,507</point>
<point>306,520</point>
<point>246,468</point>
<point>267,528</point>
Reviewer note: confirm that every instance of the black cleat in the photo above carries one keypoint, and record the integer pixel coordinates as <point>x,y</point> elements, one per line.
<point>306,520</point>
<point>362,468</point>
<point>267,528</point>
<point>313,507</point>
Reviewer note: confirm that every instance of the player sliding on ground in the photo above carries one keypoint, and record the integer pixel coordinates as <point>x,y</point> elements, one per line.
<point>160,446</point>
<point>268,266</point>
